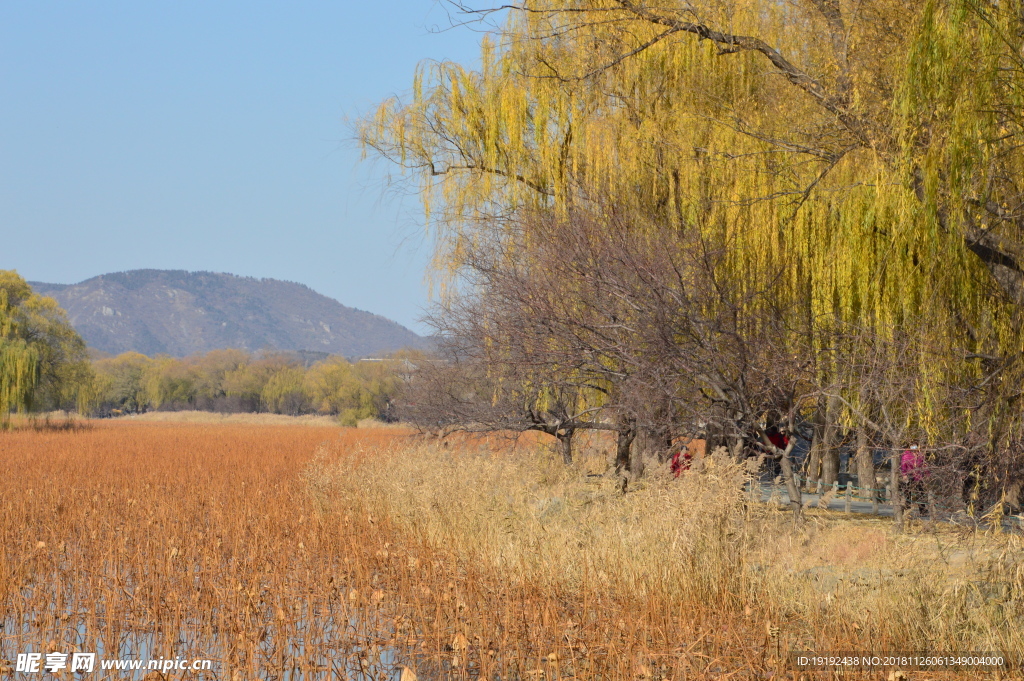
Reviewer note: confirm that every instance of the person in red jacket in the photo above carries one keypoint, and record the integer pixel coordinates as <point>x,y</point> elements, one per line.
<point>681,461</point>
<point>778,438</point>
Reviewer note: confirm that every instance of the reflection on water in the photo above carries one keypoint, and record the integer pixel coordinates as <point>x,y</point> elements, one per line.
<point>321,643</point>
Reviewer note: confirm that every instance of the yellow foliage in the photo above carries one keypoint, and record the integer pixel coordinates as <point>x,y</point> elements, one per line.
<point>42,359</point>
<point>863,158</point>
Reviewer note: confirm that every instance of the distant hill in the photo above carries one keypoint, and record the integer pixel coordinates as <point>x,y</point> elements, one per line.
<point>179,313</point>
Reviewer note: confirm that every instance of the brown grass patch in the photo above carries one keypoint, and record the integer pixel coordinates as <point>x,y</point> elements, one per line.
<point>687,567</point>
<point>209,417</point>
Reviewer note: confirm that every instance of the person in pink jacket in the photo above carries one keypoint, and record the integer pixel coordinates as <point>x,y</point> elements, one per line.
<point>913,473</point>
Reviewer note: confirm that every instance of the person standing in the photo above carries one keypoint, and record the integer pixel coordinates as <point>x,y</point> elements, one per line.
<point>913,472</point>
<point>681,461</point>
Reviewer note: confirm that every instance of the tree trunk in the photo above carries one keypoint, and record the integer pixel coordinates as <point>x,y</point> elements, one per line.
<point>654,440</point>
<point>897,493</point>
<point>627,433</point>
<point>865,464</point>
<point>823,462</point>
<point>637,460</point>
<point>830,450</point>
<point>565,444</point>
<point>829,467</point>
<point>663,443</point>
<point>812,471</point>
<point>792,488</point>
<point>738,449</point>
<point>713,439</point>
<point>652,443</point>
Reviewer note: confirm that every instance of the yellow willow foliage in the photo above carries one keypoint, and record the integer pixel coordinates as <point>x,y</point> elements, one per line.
<point>283,385</point>
<point>877,177</point>
<point>19,362</point>
<point>43,360</point>
<point>19,374</point>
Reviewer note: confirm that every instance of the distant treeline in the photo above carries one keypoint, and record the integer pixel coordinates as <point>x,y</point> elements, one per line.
<point>236,381</point>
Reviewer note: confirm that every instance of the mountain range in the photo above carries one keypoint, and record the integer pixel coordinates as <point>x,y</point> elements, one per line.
<point>179,313</point>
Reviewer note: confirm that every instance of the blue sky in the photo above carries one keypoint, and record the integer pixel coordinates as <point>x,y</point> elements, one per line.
<point>212,136</point>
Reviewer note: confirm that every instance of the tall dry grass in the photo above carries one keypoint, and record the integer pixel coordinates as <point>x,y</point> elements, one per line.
<point>526,516</point>
<point>689,563</point>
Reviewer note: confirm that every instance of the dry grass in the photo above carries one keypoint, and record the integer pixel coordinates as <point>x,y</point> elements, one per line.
<point>142,540</point>
<point>54,421</point>
<point>207,417</point>
<point>680,573</point>
<point>294,552</point>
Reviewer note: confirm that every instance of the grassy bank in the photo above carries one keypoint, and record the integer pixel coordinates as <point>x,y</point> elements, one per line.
<point>678,577</point>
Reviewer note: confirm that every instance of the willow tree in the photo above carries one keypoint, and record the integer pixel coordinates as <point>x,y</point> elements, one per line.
<point>43,360</point>
<point>866,155</point>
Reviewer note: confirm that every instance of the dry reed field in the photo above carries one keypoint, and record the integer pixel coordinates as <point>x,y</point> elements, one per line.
<point>289,552</point>
<point>178,541</point>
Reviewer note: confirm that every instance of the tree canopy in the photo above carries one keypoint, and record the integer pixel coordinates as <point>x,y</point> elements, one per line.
<point>852,167</point>
<point>43,361</point>
<point>237,381</point>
